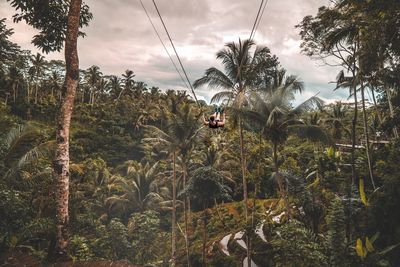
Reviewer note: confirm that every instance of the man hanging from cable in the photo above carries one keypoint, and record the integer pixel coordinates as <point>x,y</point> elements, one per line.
<point>214,121</point>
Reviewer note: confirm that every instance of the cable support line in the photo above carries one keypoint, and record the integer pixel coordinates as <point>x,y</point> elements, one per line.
<point>256,20</point>
<point>165,48</point>
<point>176,53</point>
<point>251,37</point>
<point>262,13</point>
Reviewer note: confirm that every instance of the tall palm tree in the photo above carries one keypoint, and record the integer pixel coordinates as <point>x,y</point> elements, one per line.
<point>55,83</point>
<point>37,71</point>
<point>242,69</point>
<point>101,88</point>
<point>114,86</point>
<point>277,120</point>
<point>15,78</point>
<point>92,77</point>
<point>343,81</point>
<point>128,82</point>
<point>181,132</point>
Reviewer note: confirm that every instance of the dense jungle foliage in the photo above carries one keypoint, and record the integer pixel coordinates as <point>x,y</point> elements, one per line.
<point>282,184</point>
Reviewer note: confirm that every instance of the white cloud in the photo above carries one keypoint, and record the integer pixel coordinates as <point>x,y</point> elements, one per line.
<point>120,37</point>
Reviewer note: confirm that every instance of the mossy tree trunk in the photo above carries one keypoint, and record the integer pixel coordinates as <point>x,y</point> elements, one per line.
<point>61,161</point>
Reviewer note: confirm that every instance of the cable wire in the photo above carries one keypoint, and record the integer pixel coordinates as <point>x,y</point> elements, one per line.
<point>165,48</point>
<point>176,53</point>
<point>262,13</point>
<point>256,20</point>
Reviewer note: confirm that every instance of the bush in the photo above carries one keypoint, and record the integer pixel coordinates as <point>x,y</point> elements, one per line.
<point>297,246</point>
<point>79,249</point>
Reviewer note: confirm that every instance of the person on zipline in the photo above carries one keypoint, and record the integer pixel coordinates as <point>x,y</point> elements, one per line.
<point>215,119</point>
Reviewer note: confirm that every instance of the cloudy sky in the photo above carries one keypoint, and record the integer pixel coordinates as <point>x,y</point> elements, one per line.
<point>120,37</point>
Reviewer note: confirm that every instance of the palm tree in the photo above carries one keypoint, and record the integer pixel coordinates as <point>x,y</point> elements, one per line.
<point>15,78</point>
<point>36,71</point>
<point>101,88</point>
<point>140,87</point>
<point>128,82</point>
<point>242,69</point>
<point>206,177</point>
<point>343,81</point>
<point>114,86</point>
<point>277,119</point>
<point>138,184</point>
<point>55,83</point>
<point>179,137</point>
<point>24,145</point>
<point>92,77</point>
<point>214,154</point>
<point>336,120</point>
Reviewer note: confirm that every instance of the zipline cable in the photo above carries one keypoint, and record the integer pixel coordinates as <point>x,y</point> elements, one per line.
<point>255,25</point>
<point>262,13</point>
<point>176,53</point>
<point>165,48</point>
<point>256,20</point>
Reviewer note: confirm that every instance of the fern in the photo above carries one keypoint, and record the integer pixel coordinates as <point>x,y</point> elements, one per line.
<point>336,241</point>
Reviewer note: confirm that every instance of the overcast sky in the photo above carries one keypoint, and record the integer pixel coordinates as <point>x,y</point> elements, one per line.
<point>120,37</point>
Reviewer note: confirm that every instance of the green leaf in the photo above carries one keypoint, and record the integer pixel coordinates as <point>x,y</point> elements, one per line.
<point>368,245</point>
<point>362,192</point>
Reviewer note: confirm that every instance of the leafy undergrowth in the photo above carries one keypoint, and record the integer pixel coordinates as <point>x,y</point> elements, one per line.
<point>18,259</point>
<point>225,221</point>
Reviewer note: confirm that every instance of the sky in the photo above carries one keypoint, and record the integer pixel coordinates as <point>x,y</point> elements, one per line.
<point>120,37</point>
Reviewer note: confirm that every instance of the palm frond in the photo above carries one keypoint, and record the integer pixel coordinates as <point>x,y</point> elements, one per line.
<point>312,102</point>
<point>221,96</point>
<point>215,79</point>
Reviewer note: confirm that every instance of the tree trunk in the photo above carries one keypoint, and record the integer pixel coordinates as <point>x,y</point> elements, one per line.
<point>204,234</point>
<point>120,94</point>
<point>376,105</point>
<point>173,222</point>
<point>90,96</point>
<point>353,135</point>
<point>366,135</point>
<point>281,188</point>
<point>28,92</point>
<point>36,93</point>
<point>14,92</point>
<point>243,163</point>
<point>353,156</point>
<point>389,99</point>
<point>185,210</point>
<point>61,161</point>
<point>275,147</point>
